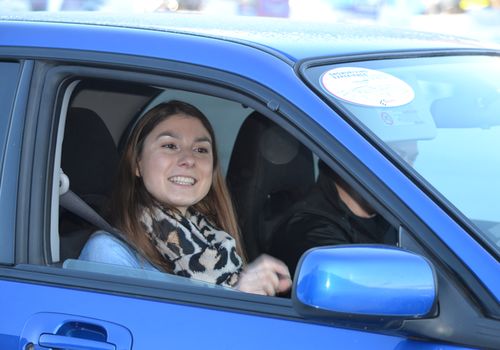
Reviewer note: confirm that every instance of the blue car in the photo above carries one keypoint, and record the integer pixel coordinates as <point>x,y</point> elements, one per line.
<point>409,120</point>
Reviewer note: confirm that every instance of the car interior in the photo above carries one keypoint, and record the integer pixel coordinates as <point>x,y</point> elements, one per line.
<point>266,168</point>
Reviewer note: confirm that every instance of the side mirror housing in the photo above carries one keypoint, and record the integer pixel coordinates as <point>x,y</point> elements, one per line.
<point>364,283</point>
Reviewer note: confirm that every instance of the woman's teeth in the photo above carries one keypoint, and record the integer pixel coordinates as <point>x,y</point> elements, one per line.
<point>182,180</point>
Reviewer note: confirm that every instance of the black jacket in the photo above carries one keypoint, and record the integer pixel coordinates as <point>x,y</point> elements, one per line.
<point>323,219</point>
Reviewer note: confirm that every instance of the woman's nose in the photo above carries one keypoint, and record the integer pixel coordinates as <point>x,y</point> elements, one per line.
<point>186,158</point>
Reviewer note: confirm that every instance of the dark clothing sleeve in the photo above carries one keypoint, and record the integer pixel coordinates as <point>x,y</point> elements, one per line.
<point>302,232</point>
<point>306,230</point>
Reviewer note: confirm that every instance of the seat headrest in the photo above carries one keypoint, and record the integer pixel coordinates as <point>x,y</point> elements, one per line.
<point>89,154</point>
<point>269,169</point>
<point>277,147</point>
<point>265,152</point>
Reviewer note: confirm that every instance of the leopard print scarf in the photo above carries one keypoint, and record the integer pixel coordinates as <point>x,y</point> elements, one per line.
<point>194,246</point>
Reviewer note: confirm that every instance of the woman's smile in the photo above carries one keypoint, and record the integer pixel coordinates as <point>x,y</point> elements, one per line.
<point>182,180</point>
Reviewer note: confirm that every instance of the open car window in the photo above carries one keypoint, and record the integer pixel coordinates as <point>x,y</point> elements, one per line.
<point>93,129</point>
<point>267,169</point>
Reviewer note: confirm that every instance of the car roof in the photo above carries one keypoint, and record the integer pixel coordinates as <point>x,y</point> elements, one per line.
<point>291,40</point>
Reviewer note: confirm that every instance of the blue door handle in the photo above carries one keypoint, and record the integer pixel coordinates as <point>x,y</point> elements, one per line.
<point>50,330</point>
<point>72,343</point>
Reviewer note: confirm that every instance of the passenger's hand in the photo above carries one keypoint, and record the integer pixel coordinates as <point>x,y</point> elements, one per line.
<point>265,275</point>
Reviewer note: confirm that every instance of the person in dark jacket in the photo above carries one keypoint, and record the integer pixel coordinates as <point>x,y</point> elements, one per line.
<point>332,213</point>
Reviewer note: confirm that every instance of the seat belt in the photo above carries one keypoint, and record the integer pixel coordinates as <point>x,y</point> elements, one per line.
<point>74,204</point>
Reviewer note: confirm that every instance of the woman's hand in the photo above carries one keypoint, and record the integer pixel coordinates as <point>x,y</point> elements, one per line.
<point>265,275</point>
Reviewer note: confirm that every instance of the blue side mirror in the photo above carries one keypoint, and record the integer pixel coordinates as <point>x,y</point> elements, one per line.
<point>364,283</point>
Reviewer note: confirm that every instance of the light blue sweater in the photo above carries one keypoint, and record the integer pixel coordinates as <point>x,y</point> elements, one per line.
<point>102,247</point>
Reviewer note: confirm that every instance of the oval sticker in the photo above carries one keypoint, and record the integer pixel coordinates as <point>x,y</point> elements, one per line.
<point>367,87</point>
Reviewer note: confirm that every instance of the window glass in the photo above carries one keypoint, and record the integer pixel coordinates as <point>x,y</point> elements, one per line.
<point>9,71</point>
<point>441,115</point>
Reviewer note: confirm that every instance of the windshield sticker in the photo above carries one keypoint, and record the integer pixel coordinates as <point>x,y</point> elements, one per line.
<point>409,117</point>
<point>367,87</point>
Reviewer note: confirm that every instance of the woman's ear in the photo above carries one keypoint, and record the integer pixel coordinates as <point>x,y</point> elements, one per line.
<point>138,169</point>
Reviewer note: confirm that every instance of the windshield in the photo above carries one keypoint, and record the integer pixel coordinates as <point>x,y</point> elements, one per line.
<point>441,115</point>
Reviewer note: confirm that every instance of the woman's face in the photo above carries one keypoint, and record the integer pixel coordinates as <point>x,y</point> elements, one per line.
<point>176,162</point>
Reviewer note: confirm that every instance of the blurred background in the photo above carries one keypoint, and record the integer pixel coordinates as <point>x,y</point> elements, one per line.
<point>477,19</point>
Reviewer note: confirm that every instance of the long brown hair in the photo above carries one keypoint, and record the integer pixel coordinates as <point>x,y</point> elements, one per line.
<point>130,195</point>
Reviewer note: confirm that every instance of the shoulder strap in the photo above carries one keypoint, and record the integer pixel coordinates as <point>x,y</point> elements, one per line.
<point>74,204</point>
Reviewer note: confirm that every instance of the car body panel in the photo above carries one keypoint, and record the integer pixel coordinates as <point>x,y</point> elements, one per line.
<point>178,330</point>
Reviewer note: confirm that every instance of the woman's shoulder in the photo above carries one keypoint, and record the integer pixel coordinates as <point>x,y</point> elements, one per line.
<point>104,247</point>
<point>103,240</point>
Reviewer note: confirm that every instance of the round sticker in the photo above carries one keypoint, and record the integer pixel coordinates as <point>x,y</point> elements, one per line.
<point>367,87</point>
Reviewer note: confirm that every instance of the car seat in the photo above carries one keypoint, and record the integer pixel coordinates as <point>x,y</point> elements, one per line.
<point>89,159</point>
<point>268,171</point>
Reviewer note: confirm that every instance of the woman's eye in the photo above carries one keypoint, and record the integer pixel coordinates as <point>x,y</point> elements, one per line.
<point>170,146</point>
<point>201,150</point>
